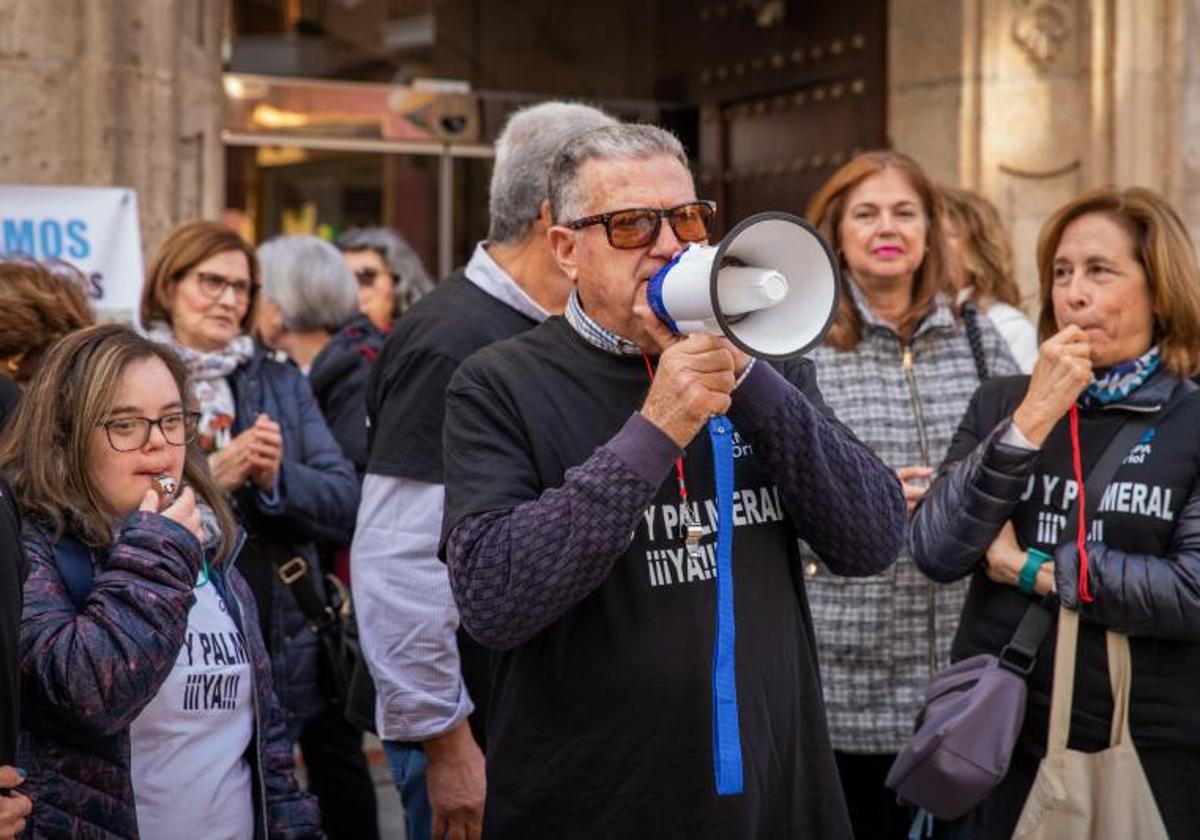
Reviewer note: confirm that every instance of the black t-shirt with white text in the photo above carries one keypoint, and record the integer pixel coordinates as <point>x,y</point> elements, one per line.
<point>1138,514</point>
<point>406,408</point>
<point>407,385</point>
<point>601,724</point>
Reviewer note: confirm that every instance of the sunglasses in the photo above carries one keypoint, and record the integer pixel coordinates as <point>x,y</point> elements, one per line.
<point>366,275</point>
<point>639,226</point>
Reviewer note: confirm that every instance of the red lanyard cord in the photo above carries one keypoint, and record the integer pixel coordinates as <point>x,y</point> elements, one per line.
<point>683,496</point>
<point>1085,592</point>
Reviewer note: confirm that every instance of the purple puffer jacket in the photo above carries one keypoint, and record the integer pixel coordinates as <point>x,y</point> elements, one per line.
<point>87,674</point>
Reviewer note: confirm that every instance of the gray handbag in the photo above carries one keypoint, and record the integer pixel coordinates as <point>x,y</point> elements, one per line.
<point>966,730</point>
<point>974,710</point>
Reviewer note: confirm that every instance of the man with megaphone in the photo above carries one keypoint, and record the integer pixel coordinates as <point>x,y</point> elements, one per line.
<point>622,512</point>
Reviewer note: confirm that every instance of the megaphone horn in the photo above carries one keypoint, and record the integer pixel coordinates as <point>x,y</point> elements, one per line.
<point>770,286</point>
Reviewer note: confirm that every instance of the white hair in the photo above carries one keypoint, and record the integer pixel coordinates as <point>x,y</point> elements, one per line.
<point>626,141</point>
<point>309,281</point>
<point>525,150</point>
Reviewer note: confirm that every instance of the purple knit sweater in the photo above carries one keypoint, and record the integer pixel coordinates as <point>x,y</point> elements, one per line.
<point>515,572</point>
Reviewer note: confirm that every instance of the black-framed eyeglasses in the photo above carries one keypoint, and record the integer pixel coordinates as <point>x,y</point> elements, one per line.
<point>214,285</point>
<point>637,227</point>
<point>127,434</point>
<point>367,274</point>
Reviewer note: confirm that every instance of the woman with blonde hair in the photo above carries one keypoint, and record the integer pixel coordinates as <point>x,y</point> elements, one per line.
<point>898,368</point>
<point>980,260</point>
<point>1120,293</point>
<point>148,704</point>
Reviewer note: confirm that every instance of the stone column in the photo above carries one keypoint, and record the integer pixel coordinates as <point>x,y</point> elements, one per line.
<point>1052,97</point>
<point>116,93</point>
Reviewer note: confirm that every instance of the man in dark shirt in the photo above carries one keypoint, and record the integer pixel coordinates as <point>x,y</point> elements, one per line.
<point>564,537</point>
<point>427,682</point>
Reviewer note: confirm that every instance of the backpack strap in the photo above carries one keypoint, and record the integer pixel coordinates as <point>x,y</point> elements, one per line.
<point>74,562</point>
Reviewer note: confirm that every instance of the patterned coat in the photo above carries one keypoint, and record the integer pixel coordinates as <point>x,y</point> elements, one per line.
<point>880,638</point>
<point>86,674</point>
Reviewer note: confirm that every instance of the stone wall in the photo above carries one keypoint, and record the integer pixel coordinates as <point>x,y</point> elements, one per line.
<point>1032,101</point>
<point>116,93</point>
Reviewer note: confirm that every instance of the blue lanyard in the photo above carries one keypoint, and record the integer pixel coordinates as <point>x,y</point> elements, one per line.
<point>727,739</point>
<point>727,742</point>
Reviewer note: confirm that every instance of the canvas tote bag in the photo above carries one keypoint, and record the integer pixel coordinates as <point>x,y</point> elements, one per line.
<point>1090,796</point>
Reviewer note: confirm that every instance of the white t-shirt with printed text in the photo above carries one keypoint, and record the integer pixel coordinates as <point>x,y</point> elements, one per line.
<point>188,745</point>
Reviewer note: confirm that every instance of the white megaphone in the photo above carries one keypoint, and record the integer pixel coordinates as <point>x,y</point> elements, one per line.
<point>770,287</point>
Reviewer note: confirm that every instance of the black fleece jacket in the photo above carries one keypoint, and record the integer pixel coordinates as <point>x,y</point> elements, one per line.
<point>12,578</point>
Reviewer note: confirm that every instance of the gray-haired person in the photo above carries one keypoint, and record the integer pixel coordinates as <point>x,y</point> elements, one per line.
<point>564,537</point>
<point>309,310</point>
<point>390,275</point>
<point>428,683</point>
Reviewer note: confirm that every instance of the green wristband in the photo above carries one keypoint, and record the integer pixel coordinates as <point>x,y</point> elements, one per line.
<point>1027,579</point>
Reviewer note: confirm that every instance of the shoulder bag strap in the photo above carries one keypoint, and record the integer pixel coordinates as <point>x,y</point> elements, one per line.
<point>1020,654</point>
<point>294,574</point>
<point>970,314</point>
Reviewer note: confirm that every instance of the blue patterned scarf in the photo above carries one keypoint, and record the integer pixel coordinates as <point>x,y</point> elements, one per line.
<point>1121,380</point>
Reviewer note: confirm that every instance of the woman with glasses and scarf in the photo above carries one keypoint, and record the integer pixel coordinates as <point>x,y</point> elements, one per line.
<point>147,701</point>
<point>898,368</point>
<point>268,447</point>
<point>389,274</point>
<point>1120,323</point>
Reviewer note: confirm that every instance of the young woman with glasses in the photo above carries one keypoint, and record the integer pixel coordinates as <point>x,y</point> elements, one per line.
<point>147,688</point>
<point>268,447</point>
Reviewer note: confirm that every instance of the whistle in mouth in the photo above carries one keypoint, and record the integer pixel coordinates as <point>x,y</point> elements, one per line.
<point>167,489</point>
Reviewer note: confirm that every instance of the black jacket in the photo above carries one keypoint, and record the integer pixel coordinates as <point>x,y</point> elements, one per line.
<point>12,576</point>
<point>316,503</point>
<point>1144,553</point>
<point>339,382</point>
<point>10,395</point>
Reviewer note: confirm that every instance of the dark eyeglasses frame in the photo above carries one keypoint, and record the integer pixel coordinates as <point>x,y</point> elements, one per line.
<point>660,212</point>
<point>191,427</point>
<point>366,275</point>
<point>241,296</point>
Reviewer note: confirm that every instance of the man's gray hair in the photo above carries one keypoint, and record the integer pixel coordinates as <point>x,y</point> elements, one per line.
<point>525,150</point>
<point>309,280</point>
<point>627,141</point>
<point>408,274</point>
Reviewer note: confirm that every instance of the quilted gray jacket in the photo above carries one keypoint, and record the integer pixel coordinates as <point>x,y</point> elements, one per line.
<point>880,638</point>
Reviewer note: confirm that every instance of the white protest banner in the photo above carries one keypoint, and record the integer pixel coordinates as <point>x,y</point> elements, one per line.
<point>93,228</point>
